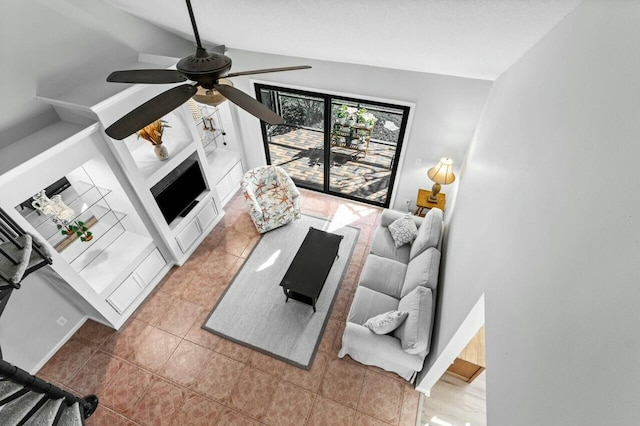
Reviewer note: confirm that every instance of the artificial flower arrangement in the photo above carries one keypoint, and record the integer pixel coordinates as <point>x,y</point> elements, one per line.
<point>153,132</point>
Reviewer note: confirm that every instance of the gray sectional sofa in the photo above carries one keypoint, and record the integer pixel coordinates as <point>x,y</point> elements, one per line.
<point>403,279</point>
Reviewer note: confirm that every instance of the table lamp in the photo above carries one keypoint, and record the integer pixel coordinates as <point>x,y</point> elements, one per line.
<point>441,174</point>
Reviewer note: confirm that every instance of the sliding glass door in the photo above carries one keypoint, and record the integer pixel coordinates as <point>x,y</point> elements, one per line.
<point>298,144</point>
<point>337,145</point>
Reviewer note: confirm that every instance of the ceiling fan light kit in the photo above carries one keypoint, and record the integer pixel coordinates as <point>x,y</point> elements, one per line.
<point>211,96</point>
<point>204,74</point>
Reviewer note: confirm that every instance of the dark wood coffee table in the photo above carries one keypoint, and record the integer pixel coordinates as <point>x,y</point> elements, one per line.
<point>310,267</point>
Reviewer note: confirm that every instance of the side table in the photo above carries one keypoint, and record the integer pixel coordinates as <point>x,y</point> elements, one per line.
<point>423,201</point>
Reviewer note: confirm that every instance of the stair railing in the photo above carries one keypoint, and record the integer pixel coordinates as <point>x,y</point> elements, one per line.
<point>32,383</point>
<point>10,232</point>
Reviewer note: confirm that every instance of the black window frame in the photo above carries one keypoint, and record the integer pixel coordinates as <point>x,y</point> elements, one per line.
<point>328,97</point>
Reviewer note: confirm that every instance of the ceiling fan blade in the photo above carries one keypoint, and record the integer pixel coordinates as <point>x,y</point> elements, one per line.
<point>150,111</point>
<point>146,76</point>
<point>266,70</point>
<point>219,49</point>
<point>249,104</point>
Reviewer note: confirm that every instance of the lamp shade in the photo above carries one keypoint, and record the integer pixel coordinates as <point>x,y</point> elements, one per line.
<point>211,96</point>
<point>442,172</point>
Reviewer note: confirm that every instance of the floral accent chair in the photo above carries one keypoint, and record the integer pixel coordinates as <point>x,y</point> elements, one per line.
<point>272,198</point>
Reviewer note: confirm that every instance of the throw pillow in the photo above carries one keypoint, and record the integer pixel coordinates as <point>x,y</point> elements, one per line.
<point>403,230</point>
<point>428,233</point>
<point>415,332</point>
<point>387,322</point>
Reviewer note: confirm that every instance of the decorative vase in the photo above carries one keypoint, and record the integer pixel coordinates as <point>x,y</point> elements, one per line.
<point>161,152</point>
<point>351,122</point>
<point>342,120</point>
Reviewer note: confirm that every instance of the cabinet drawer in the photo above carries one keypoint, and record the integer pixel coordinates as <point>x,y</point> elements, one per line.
<point>124,295</point>
<point>206,216</point>
<point>188,235</point>
<point>149,267</point>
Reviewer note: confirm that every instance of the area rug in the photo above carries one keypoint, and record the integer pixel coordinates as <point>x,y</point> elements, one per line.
<point>252,311</point>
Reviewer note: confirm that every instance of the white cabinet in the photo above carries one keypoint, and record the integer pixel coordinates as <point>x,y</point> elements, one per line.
<point>132,287</point>
<point>198,226</point>
<point>149,268</point>
<point>188,236</point>
<point>229,183</point>
<point>207,215</point>
<point>124,295</point>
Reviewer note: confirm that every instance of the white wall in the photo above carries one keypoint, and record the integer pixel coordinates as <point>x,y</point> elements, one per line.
<point>546,225</point>
<point>51,42</point>
<point>445,117</point>
<point>29,334</point>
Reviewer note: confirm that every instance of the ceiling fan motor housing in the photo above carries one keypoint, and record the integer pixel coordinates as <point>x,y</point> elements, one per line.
<point>204,67</point>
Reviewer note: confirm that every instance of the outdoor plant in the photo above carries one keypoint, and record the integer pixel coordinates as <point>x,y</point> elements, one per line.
<point>343,111</point>
<point>366,118</point>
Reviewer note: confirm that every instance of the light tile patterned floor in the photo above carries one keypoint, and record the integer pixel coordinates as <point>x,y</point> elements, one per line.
<point>456,403</point>
<point>161,368</point>
<point>301,153</point>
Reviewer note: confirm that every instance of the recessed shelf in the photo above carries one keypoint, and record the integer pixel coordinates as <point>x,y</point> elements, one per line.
<point>179,143</point>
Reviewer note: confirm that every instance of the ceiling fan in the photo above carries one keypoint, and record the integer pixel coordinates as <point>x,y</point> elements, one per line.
<point>205,70</point>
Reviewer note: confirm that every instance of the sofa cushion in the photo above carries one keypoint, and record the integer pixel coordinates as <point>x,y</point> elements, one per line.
<point>428,233</point>
<point>415,331</point>
<point>368,303</point>
<point>384,246</point>
<point>403,230</point>
<point>422,270</point>
<point>387,322</point>
<point>388,216</point>
<point>384,275</point>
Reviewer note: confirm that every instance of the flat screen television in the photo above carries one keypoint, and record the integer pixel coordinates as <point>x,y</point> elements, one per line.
<point>176,193</point>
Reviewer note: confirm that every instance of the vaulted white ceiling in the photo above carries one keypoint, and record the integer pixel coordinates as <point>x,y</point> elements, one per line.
<point>469,38</point>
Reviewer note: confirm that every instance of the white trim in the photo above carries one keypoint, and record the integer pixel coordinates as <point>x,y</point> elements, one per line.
<point>467,330</point>
<point>411,105</point>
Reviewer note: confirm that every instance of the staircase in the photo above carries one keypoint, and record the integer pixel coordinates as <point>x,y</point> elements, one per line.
<point>25,399</point>
<point>30,401</point>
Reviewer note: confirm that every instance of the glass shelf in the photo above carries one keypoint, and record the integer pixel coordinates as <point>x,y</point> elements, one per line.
<point>81,253</point>
<point>82,198</point>
<point>207,120</point>
<point>90,207</point>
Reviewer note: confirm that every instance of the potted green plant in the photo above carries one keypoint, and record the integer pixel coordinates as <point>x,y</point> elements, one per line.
<point>366,118</point>
<point>343,114</point>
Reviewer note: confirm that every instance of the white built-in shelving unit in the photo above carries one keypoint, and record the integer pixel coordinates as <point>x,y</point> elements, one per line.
<point>122,247</point>
<point>110,184</point>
